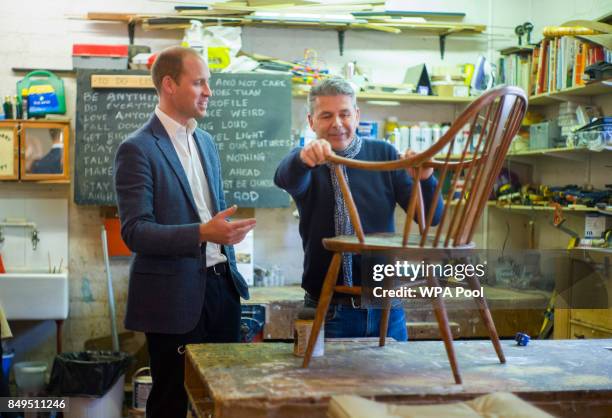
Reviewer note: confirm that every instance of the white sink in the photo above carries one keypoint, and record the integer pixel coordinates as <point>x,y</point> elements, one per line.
<point>34,295</point>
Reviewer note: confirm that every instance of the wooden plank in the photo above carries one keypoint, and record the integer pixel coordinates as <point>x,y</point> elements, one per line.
<point>592,89</point>
<point>112,17</point>
<point>105,81</point>
<point>512,311</point>
<point>265,379</point>
<point>429,330</point>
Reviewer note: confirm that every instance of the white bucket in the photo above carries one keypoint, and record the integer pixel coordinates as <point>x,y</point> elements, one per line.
<point>142,382</point>
<point>30,376</point>
<point>108,406</point>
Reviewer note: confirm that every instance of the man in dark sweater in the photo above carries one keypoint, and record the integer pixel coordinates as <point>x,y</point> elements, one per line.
<point>334,116</point>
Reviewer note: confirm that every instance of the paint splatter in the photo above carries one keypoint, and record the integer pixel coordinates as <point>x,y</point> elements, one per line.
<point>86,294</point>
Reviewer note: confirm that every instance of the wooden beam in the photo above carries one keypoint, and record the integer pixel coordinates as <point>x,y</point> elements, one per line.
<point>107,81</point>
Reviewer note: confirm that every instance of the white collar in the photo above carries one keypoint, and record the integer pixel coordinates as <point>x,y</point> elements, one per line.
<point>173,127</point>
<point>59,145</point>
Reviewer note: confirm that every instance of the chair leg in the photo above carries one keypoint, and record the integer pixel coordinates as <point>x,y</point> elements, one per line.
<point>384,322</point>
<point>485,314</point>
<point>324,299</point>
<point>445,331</point>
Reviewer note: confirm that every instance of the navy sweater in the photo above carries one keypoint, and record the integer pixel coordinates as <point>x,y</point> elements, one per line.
<point>375,194</point>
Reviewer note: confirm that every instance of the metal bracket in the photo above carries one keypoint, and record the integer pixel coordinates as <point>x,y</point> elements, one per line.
<point>131,30</point>
<point>442,40</point>
<point>341,34</point>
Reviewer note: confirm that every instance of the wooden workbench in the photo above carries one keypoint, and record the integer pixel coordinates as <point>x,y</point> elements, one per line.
<point>512,310</point>
<point>563,377</point>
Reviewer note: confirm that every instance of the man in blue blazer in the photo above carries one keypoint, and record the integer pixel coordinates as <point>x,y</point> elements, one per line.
<point>53,161</point>
<point>184,286</point>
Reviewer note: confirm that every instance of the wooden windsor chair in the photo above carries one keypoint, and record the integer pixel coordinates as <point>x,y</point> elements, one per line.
<point>494,119</point>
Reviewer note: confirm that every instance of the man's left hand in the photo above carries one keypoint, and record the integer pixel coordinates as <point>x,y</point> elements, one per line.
<point>425,172</point>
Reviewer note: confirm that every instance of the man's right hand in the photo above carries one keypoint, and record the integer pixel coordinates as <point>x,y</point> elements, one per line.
<point>221,231</point>
<point>316,153</point>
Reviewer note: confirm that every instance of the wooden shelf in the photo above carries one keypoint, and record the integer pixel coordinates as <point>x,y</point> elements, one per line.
<point>593,89</point>
<point>56,71</point>
<point>531,208</point>
<point>517,50</point>
<point>435,27</point>
<point>414,98</point>
<point>180,21</point>
<point>549,151</point>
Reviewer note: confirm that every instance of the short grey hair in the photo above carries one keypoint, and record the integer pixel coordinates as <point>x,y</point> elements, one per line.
<point>334,86</point>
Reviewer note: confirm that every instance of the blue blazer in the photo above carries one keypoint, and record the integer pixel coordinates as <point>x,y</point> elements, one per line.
<point>51,163</point>
<point>160,224</point>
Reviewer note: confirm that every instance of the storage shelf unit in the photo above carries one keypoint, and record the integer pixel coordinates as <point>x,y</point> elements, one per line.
<point>529,208</point>
<point>400,97</point>
<point>593,89</point>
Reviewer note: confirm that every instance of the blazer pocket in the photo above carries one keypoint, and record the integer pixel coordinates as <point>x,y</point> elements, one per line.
<point>154,266</point>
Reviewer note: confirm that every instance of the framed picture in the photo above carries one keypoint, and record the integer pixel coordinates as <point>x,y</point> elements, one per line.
<point>45,151</point>
<point>9,150</point>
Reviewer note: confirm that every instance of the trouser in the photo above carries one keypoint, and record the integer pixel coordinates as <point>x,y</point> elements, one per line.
<point>219,323</point>
<point>345,321</point>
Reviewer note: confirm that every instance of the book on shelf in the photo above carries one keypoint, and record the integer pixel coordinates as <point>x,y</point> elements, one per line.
<point>562,61</point>
<point>555,64</point>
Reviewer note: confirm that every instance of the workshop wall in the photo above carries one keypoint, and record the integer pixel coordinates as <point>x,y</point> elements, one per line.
<point>43,37</point>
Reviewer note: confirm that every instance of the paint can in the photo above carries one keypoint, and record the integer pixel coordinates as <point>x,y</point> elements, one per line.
<point>301,334</point>
<point>142,382</point>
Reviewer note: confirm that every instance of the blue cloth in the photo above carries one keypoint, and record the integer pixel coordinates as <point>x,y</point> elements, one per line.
<point>375,194</point>
<point>51,163</point>
<point>344,321</point>
<point>160,224</point>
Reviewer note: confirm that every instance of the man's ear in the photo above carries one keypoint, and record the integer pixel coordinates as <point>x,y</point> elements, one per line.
<point>310,121</point>
<point>357,114</point>
<point>168,85</point>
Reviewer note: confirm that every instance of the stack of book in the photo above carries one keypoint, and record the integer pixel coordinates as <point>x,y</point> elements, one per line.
<point>515,67</point>
<point>559,63</point>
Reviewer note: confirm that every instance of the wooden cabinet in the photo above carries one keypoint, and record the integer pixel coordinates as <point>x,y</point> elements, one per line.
<point>9,151</point>
<point>32,150</point>
<point>587,297</point>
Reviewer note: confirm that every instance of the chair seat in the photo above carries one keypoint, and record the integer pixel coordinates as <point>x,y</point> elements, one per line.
<point>382,242</point>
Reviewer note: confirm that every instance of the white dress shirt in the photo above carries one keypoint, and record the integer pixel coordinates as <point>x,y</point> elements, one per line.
<point>185,146</point>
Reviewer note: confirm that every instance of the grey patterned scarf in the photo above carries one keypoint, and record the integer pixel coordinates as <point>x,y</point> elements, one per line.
<point>342,222</point>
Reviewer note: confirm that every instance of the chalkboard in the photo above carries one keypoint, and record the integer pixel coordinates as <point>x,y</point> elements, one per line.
<point>249,116</point>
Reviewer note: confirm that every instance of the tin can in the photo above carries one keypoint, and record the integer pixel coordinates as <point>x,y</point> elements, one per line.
<point>301,334</point>
<point>142,382</point>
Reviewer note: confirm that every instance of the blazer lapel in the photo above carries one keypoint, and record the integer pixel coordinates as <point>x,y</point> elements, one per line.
<point>165,145</point>
<point>208,171</point>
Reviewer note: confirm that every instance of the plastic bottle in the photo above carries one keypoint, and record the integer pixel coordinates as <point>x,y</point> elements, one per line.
<point>415,138</point>
<point>436,133</point>
<point>426,134</point>
<point>24,103</point>
<point>443,130</point>
<point>404,138</point>
<point>17,109</point>
<point>194,37</point>
<point>8,108</point>
<point>390,126</point>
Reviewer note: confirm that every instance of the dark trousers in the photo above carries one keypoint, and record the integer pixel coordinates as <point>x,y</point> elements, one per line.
<point>219,323</point>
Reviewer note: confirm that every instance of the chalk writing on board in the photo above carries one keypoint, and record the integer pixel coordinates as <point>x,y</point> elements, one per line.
<point>6,151</point>
<point>249,116</point>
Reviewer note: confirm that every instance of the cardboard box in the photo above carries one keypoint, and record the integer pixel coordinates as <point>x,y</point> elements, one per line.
<point>450,90</point>
<point>595,225</point>
<point>107,57</point>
